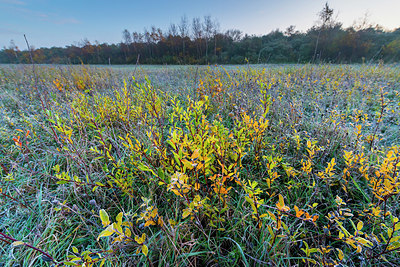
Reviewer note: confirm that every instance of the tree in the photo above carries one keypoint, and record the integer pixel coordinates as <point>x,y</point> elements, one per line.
<point>127,40</point>
<point>290,30</point>
<point>215,36</point>
<point>208,28</point>
<point>197,31</point>
<point>184,31</point>
<point>127,37</point>
<point>173,30</point>
<point>12,51</point>
<point>234,34</point>
<point>325,16</point>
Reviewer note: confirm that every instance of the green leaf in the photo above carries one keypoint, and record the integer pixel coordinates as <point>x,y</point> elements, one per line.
<point>70,263</point>
<point>161,174</point>
<point>359,189</point>
<point>240,250</point>
<point>56,168</point>
<point>145,168</point>
<point>186,213</point>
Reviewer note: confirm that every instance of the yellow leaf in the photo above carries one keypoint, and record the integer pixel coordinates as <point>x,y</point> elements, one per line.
<point>278,224</point>
<point>298,212</point>
<point>341,235</point>
<point>118,228</point>
<point>160,221</point>
<point>195,154</point>
<point>145,250</point>
<point>119,218</point>
<point>187,164</point>
<point>105,220</point>
<point>172,222</point>
<point>107,232</point>
<point>341,255</point>
<point>281,200</point>
<point>196,186</point>
<point>364,242</point>
<point>273,217</point>
<point>140,240</point>
<point>148,223</point>
<point>360,225</point>
<point>154,213</point>
<point>128,232</point>
<point>17,243</point>
<point>186,213</point>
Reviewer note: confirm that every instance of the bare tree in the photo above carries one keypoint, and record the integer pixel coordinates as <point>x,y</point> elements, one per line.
<point>215,35</point>
<point>127,40</point>
<point>184,31</point>
<point>290,30</point>
<point>326,20</point>
<point>137,37</point>
<point>197,31</point>
<point>173,30</point>
<point>97,47</point>
<point>147,39</point>
<point>363,23</point>
<point>326,16</point>
<point>127,37</point>
<point>184,27</point>
<point>208,27</point>
<point>234,34</point>
<point>172,37</point>
<point>14,49</point>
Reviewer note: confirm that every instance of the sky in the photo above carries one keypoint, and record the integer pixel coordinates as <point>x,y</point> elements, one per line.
<point>49,23</point>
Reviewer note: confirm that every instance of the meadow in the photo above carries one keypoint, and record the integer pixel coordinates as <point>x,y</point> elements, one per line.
<point>275,165</point>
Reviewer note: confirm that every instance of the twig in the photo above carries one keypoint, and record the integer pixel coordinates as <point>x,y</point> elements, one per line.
<point>4,168</point>
<point>33,63</point>
<point>26,244</point>
<point>137,63</point>
<point>10,197</point>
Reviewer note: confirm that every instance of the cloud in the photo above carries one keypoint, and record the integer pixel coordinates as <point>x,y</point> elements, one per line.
<point>66,21</point>
<point>13,2</point>
<point>28,13</point>
<point>50,17</point>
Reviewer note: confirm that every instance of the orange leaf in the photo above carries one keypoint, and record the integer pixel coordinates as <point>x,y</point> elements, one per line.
<point>281,204</point>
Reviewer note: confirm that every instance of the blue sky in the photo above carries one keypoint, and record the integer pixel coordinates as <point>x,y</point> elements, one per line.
<point>62,22</point>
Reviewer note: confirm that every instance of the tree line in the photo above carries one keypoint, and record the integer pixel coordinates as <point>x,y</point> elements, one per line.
<point>200,41</point>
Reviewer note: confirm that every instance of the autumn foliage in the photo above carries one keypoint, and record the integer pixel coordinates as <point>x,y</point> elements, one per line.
<point>282,166</point>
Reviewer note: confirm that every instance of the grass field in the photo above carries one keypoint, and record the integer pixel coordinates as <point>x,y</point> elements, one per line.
<point>292,165</point>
